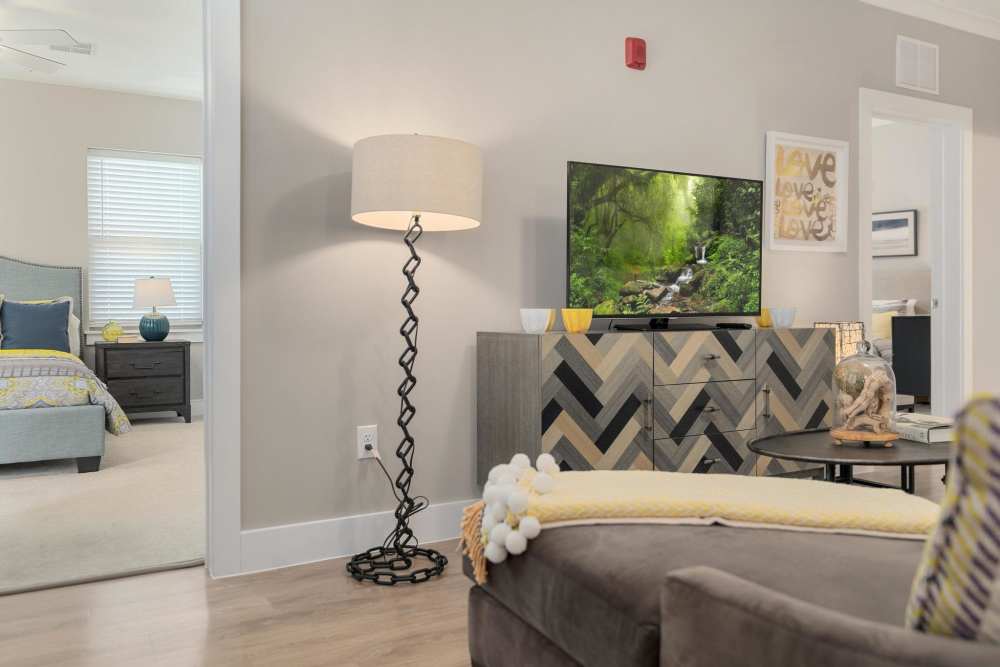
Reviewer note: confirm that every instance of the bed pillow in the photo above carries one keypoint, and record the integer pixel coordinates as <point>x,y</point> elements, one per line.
<point>73,330</point>
<point>35,326</point>
<point>882,325</point>
<point>956,590</point>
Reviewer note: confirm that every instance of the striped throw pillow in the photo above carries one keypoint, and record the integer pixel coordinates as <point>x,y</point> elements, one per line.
<point>956,591</point>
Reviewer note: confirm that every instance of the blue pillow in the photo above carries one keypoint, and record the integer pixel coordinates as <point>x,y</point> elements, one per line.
<point>34,326</point>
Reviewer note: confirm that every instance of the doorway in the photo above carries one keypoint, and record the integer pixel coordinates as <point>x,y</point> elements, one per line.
<point>929,284</point>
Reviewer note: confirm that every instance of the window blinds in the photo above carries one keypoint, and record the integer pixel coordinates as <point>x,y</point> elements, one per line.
<point>144,218</point>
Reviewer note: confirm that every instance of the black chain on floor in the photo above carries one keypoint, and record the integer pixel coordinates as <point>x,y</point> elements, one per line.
<point>401,549</point>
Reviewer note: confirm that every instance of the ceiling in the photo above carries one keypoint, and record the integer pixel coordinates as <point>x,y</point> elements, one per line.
<point>153,47</point>
<point>980,17</point>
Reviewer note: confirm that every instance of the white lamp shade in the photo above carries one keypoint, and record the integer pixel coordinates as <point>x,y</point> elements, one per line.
<point>399,175</point>
<point>153,292</point>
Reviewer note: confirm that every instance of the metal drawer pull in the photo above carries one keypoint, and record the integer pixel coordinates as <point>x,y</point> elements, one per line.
<point>766,413</point>
<point>152,365</point>
<point>647,417</point>
<point>710,408</point>
<point>712,462</point>
<point>711,356</point>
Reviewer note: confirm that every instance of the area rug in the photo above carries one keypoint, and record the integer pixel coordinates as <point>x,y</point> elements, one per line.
<point>144,510</point>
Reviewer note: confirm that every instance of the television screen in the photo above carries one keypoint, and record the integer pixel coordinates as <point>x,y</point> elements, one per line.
<point>661,244</point>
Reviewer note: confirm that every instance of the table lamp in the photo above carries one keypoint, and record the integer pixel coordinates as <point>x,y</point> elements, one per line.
<point>149,293</point>
<point>411,183</point>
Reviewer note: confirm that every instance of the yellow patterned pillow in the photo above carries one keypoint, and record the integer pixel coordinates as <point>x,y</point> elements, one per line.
<point>957,588</point>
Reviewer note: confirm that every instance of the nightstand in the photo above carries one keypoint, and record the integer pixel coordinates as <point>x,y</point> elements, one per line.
<point>147,377</point>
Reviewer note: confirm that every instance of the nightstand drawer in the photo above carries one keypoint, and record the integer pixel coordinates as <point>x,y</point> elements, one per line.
<point>134,363</point>
<point>147,391</point>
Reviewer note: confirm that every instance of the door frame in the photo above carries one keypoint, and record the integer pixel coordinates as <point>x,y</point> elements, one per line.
<point>951,254</point>
<point>222,137</point>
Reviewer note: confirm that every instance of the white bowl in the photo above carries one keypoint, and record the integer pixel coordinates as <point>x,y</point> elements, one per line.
<point>782,318</point>
<point>536,320</point>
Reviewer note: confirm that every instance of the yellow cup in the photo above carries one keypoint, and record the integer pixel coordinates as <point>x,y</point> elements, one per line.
<point>577,320</point>
<point>764,321</point>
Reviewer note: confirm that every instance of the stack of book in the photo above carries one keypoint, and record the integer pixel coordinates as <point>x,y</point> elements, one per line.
<point>924,428</point>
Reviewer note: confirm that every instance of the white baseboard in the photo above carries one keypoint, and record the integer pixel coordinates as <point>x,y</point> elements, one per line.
<point>300,543</point>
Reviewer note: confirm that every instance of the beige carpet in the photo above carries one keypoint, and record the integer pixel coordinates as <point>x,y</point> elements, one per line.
<point>143,510</point>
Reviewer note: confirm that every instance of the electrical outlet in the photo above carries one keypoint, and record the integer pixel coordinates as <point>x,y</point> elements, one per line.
<point>367,441</point>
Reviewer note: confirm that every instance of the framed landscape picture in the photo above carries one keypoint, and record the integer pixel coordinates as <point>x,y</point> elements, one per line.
<point>894,234</point>
<point>806,193</point>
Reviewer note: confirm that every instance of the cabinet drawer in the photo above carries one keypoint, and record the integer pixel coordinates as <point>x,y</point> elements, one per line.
<point>143,363</point>
<point>692,409</point>
<point>147,391</point>
<point>706,453</point>
<point>703,356</point>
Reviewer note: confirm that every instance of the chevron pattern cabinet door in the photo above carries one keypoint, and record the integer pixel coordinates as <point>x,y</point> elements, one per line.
<point>703,356</point>
<point>794,386</point>
<point>596,397</point>
<point>712,452</point>
<point>681,410</point>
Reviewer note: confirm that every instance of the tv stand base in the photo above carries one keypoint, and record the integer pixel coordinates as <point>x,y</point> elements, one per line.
<point>674,324</point>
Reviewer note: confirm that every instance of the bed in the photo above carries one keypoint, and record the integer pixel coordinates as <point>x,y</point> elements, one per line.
<point>40,432</point>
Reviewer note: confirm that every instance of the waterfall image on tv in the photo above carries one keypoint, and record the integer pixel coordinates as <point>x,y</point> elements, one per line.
<point>659,244</point>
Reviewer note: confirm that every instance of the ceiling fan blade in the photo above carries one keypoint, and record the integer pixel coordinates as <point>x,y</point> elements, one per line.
<point>29,60</point>
<point>80,47</point>
<point>54,37</point>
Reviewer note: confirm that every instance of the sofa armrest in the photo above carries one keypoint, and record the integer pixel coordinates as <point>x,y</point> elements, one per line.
<point>709,617</point>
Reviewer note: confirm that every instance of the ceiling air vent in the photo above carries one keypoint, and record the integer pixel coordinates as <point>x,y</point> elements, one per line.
<point>917,65</point>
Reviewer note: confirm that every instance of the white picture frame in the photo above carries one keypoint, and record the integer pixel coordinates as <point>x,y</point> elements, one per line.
<point>800,193</point>
<point>894,233</point>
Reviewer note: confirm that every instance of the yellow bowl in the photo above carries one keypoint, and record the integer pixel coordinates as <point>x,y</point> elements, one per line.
<point>577,320</point>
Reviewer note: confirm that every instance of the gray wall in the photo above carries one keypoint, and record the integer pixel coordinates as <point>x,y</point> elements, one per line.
<point>45,132</point>
<point>534,84</point>
<point>901,180</point>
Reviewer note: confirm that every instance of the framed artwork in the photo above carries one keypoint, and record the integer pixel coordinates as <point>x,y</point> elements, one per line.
<point>894,234</point>
<point>806,193</point>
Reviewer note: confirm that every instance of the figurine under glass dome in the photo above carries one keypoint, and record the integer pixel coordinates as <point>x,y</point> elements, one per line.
<point>865,388</point>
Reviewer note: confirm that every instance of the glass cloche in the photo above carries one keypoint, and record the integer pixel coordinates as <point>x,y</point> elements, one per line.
<point>865,396</point>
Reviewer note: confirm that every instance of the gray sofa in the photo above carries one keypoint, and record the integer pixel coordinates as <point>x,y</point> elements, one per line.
<point>703,596</point>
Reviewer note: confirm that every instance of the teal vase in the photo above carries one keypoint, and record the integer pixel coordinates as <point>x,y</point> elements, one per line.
<point>154,326</point>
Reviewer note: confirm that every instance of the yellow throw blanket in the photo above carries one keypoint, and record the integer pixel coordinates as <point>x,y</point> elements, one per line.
<point>579,498</point>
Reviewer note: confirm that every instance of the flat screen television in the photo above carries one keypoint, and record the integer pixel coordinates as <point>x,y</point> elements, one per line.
<point>662,244</point>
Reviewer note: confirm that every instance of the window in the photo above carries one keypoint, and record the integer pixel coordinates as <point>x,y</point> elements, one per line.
<point>143,219</point>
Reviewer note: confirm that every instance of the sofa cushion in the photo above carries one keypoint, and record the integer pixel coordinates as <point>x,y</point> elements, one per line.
<point>595,590</point>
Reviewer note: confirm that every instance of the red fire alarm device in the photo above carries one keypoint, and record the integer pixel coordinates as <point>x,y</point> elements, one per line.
<point>635,52</point>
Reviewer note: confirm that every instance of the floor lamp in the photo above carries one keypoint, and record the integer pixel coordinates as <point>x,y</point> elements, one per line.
<point>413,184</point>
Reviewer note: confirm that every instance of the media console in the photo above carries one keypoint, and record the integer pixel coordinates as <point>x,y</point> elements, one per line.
<point>687,401</point>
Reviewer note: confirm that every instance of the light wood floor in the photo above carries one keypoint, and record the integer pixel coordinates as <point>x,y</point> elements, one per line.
<point>308,615</point>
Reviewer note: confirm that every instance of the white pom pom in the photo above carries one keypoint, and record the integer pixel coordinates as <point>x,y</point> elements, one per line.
<point>517,502</point>
<point>516,543</point>
<point>509,476</point>
<point>552,469</point>
<point>543,482</point>
<point>545,461</point>
<point>498,511</point>
<point>493,493</point>
<point>495,553</point>
<point>520,461</point>
<point>488,522</point>
<point>499,533</point>
<point>496,472</point>
<point>530,527</point>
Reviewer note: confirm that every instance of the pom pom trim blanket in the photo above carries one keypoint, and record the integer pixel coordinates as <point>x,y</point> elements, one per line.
<point>593,497</point>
